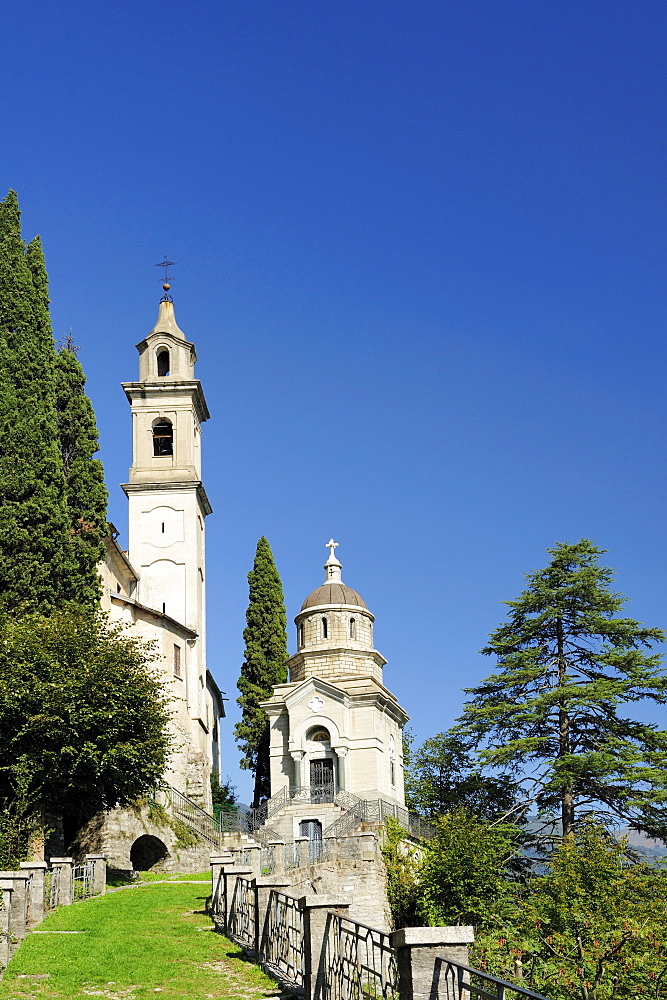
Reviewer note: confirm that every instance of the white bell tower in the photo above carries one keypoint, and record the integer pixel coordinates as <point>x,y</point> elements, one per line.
<point>167,500</point>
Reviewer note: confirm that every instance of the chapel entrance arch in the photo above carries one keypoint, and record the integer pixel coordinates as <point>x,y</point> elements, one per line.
<point>322,786</point>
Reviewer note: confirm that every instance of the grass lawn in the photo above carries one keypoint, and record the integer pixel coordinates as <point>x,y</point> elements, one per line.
<point>150,940</point>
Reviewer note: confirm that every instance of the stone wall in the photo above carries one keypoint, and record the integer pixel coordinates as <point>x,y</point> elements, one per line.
<point>143,839</point>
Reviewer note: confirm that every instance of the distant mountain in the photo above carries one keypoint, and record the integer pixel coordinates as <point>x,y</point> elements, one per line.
<point>648,848</point>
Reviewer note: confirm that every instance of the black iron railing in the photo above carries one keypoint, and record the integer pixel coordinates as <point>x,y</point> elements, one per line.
<point>82,880</point>
<point>241,917</point>
<point>453,981</point>
<point>358,961</point>
<point>281,947</point>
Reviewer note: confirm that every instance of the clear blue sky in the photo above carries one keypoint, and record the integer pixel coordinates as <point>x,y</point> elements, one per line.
<point>421,250</point>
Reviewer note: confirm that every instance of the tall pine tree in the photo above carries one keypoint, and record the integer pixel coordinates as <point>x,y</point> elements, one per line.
<point>568,665</point>
<point>85,492</point>
<point>35,552</point>
<point>265,637</point>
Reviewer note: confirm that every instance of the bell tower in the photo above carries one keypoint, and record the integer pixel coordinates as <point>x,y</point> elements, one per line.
<point>167,500</point>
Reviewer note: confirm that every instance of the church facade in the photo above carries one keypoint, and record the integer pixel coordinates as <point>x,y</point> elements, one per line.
<point>158,586</point>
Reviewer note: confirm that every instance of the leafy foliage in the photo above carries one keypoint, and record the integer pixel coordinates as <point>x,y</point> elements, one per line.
<point>567,663</point>
<point>401,863</point>
<point>593,927</point>
<point>223,795</point>
<point>80,712</point>
<point>19,820</point>
<point>265,655</point>
<point>442,776</point>
<point>468,871</point>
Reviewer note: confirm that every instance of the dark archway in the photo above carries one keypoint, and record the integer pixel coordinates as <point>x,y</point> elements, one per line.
<point>148,853</point>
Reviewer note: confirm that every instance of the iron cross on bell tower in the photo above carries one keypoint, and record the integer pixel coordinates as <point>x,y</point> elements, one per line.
<point>166,264</point>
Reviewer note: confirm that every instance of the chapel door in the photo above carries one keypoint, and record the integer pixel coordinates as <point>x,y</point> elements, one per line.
<point>322,780</point>
<point>312,828</point>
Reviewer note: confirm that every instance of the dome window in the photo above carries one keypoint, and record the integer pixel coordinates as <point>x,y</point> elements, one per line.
<point>163,362</point>
<point>300,634</point>
<point>163,439</point>
<point>325,628</point>
<point>353,628</point>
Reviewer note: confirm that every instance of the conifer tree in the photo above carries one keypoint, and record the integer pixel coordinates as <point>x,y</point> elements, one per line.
<point>35,553</point>
<point>567,665</point>
<point>265,655</point>
<point>85,492</point>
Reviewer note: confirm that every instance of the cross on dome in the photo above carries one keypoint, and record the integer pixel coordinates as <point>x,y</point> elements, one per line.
<point>332,567</point>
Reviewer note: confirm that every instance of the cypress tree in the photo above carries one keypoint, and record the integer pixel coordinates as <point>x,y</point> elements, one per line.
<point>35,553</point>
<point>85,492</point>
<point>265,637</point>
<point>568,664</point>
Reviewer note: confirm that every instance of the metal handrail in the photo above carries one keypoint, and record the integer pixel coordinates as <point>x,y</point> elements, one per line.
<point>462,971</point>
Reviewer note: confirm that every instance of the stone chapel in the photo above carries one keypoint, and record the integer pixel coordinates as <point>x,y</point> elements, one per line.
<point>335,727</point>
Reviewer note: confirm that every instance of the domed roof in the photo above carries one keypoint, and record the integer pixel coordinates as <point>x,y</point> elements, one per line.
<point>333,593</point>
<point>333,590</point>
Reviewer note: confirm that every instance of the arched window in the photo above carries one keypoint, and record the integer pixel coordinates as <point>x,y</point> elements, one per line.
<point>163,438</point>
<point>163,362</point>
<point>319,735</point>
<point>325,628</point>
<point>301,635</point>
<point>353,628</point>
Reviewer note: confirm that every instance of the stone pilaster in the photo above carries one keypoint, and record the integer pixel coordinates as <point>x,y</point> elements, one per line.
<point>421,976</point>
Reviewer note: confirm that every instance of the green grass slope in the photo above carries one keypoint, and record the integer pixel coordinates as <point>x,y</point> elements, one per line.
<point>150,940</point>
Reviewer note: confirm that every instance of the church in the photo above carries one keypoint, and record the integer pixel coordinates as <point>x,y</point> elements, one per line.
<point>335,729</point>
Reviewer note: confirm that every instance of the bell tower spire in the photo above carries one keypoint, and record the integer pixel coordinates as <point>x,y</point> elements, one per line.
<point>167,499</point>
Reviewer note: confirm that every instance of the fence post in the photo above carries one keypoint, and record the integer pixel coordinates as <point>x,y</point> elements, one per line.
<point>278,856</point>
<point>304,854</point>
<point>18,913</point>
<point>416,951</point>
<point>254,859</point>
<point>99,882</point>
<point>35,869</point>
<point>64,866</point>
<point>7,889</point>
<point>365,845</point>
<point>263,887</point>
<point>332,847</point>
<point>230,873</point>
<point>315,911</point>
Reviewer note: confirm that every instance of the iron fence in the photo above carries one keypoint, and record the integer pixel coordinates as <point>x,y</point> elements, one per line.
<point>183,808</point>
<point>28,897</point>
<point>281,947</point>
<point>82,880</point>
<point>453,981</point>
<point>52,888</point>
<point>218,894</point>
<point>359,811</point>
<point>267,860</point>
<point>241,919</point>
<point>292,855</point>
<point>358,962</point>
<point>313,794</point>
